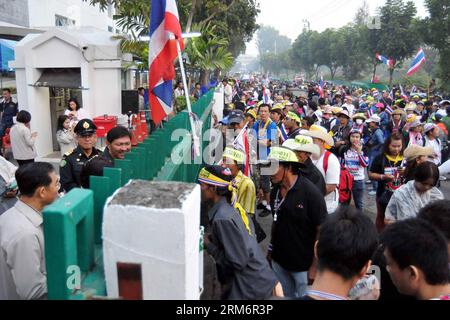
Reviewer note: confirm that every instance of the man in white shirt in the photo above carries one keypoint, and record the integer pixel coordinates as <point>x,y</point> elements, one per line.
<point>22,257</point>
<point>228,92</point>
<point>328,164</point>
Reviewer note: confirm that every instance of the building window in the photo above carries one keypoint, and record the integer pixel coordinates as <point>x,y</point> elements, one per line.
<point>110,29</point>
<point>61,21</point>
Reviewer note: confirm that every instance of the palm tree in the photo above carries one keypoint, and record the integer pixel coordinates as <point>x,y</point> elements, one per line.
<point>209,52</point>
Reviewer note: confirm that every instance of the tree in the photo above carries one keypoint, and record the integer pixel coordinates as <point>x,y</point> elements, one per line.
<point>397,37</point>
<point>269,40</point>
<point>435,32</point>
<point>235,22</point>
<point>304,50</point>
<point>208,53</point>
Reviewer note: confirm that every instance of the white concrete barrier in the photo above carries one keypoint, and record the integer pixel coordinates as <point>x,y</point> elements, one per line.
<point>155,225</point>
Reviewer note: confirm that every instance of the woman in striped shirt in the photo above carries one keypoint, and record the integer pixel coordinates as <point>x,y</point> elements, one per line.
<point>355,161</point>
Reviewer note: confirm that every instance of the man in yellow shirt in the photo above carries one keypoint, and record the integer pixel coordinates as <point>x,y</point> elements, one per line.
<point>244,191</point>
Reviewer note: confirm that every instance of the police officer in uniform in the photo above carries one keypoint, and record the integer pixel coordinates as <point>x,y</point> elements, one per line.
<point>72,162</point>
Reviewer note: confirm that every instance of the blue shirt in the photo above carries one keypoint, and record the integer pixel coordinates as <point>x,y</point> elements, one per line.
<point>270,133</point>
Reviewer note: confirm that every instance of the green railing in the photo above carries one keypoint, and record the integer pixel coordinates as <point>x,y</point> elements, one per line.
<point>72,225</point>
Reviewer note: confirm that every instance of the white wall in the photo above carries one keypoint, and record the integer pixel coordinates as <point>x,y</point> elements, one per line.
<point>100,75</point>
<point>108,82</point>
<point>42,13</point>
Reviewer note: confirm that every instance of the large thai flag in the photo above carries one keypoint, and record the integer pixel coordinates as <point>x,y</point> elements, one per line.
<point>164,23</point>
<point>386,61</point>
<point>418,60</point>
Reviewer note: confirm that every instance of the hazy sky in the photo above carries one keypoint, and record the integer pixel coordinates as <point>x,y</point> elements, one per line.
<point>287,15</point>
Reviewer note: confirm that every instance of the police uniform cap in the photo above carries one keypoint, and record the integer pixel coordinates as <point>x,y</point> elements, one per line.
<point>85,127</point>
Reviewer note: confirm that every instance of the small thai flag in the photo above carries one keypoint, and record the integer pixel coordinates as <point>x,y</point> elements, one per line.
<point>370,112</point>
<point>389,110</point>
<point>386,61</point>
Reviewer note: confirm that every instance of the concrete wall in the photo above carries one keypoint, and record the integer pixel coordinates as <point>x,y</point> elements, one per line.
<point>14,12</point>
<point>164,241</point>
<point>42,13</point>
<point>100,77</point>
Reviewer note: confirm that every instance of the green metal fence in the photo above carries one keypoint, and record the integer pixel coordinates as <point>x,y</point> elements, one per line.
<point>72,225</point>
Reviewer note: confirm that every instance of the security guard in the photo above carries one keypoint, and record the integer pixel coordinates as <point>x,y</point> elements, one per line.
<point>72,162</point>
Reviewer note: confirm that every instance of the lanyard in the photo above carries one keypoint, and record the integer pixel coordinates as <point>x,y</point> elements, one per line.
<point>324,295</point>
<point>263,128</point>
<point>277,203</point>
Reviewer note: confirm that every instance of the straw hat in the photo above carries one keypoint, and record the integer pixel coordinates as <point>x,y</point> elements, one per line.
<point>302,143</point>
<point>399,112</point>
<point>415,151</point>
<point>320,133</point>
<point>359,116</point>
<point>251,113</point>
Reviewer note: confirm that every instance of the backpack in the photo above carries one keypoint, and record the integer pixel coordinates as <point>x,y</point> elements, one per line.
<point>345,180</point>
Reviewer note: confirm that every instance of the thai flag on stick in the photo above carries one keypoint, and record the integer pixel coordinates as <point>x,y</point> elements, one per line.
<point>391,94</point>
<point>242,143</point>
<point>403,94</point>
<point>386,61</point>
<point>321,85</point>
<point>164,23</point>
<point>389,110</point>
<point>266,96</point>
<point>418,60</point>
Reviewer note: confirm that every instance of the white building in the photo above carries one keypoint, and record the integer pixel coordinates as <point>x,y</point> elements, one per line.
<point>42,14</point>
<point>85,62</point>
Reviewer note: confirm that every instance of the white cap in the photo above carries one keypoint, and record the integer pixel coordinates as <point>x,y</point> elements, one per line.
<point>374,118</point>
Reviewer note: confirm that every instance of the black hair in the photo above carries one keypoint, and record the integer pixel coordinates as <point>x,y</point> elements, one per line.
<point>117,133</point>
<point>74,101</point>
<point>141,88</point>
<point>438,214</point>
<point>410,170</point>
<point>415,242</point>
<point>93,167</point>
<point>321,101</point>
<point>7,90</point>
<point>425,171</point>
<point>33,175</point>
<point>347,240</point>
<point>264,105</point>
<point>60,123</point>
<point>395,136</point>
<point>309,120</point>
<point>23,117</point>
<point>313,105</point>
<point>292,166</point>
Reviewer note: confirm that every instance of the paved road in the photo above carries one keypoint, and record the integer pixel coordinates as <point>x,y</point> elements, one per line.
<point>212,288</point>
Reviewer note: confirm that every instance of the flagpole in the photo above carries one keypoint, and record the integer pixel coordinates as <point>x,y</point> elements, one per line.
<point>188,101</point>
